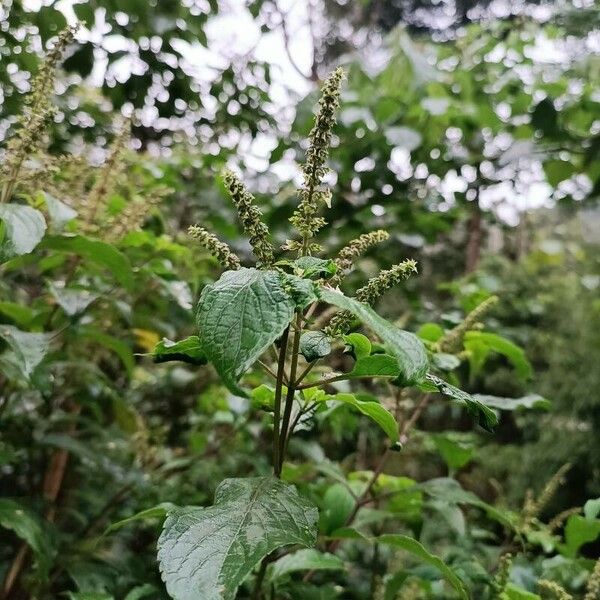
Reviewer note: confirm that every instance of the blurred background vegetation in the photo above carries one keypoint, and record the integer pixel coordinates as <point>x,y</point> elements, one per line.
<point>469,130</point>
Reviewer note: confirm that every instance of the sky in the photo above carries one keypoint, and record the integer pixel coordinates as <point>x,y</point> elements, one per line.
<point>233,33</point>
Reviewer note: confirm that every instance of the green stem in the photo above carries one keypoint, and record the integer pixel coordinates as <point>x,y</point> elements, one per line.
<point>277,402</point>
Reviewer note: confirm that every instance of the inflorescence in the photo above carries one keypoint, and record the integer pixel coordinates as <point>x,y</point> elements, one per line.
<point>220,250</point>
<point>305,219</point>
<point>251,218</point>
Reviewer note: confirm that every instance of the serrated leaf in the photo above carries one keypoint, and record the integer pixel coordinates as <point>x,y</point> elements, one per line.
<point>308,559</point>
<point>208,552</point>
<point>531,401</point>
<point>406,347</point>
<point>371,409</point>
<point>314,345</point>
<point>28,349</point>
<point>24,229</point>
<point>487,417</point>
<point>188,350</point>
<point>96,252</point>
<point>239,317</point>
<point>29,528</point>
<point>417,549</point>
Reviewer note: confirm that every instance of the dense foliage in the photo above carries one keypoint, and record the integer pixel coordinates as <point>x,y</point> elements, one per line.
<point>356,383</point>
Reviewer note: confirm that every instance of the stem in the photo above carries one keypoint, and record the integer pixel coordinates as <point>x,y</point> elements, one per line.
<point>289,399</point>
<point>277,403</point>
<point>323,382</point>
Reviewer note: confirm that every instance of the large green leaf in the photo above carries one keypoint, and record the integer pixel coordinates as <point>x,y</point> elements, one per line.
<point>239,317</point>
<point>487,417</point>
<point>206,553</point>
<point>28,349</point>
<point>417,549</point>
<point>307,559</point>
<point>24,229</point>
<point>29,528</point>
<point>406,347</point>
<point>96,252</point>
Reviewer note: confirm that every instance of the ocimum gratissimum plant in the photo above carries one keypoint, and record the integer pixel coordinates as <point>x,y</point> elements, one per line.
<point>287,314</point>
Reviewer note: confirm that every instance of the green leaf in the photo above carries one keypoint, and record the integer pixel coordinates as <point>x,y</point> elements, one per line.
<point>512,592</point>
<point>305,560</point>
<point>159,511</point>
<point>487,417</point>
<point>525,402</point>
<point>312,267</point>
<point>406,347</point>
<point>24,229</point>
<point>263,397</point>
<point>449,490</point>
<point>497,343</point>
<point>72,301</point>
<point>208,552</point>
<point>579,531</point>
<point>187,350</point>
<point>239,317</point>
<point>302,291</point>
<point>430,332</point>
<point>314,345</point>
<point>60,213</point>
<point>558,170</point>
<point>360,344</point>
<point>591,509</point>
<point>338,504</point>
<point>376,365</point>
<point>28,349</point>
<point>454,452</point>
<point>112,343</point>
<point>371,409</point>
<point>445,362</point>
<point>29,528</point>
<point>96,252</point>
<point>417,549</point>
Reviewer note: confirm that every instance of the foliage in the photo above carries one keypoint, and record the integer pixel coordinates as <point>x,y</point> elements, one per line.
<point>284,439</point>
